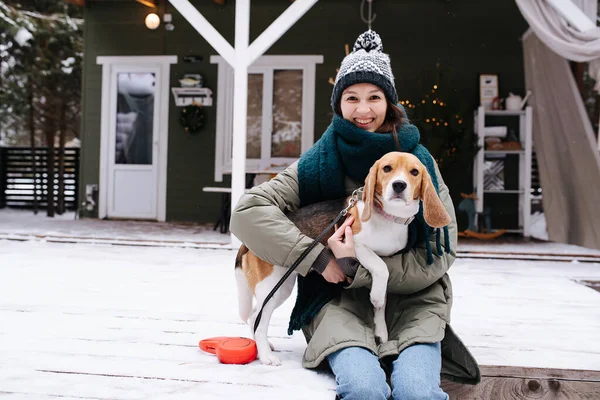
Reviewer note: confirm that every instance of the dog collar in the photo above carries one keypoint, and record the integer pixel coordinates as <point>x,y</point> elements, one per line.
<point>386,215</point>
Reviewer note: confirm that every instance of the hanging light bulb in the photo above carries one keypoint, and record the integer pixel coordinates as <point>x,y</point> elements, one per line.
<point>152,21</point>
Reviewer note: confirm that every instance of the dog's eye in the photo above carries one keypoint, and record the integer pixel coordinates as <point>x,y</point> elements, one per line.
<point>414,172</point>
<point>387,168</point>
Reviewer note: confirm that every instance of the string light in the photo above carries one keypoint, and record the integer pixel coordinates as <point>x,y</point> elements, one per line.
<point>436,101</point>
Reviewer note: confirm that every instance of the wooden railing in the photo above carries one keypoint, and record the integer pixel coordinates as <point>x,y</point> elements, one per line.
<point>24,178</point>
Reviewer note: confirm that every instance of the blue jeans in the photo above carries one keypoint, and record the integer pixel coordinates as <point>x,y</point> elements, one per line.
<point>415,374</point>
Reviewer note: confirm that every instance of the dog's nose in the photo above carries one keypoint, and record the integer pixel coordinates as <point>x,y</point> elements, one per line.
<point>399,186</point>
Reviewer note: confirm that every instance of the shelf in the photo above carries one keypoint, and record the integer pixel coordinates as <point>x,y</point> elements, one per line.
<point>505,112</point>
<point>520,152</point>
<point>503,191</point>
<point>520,197</point>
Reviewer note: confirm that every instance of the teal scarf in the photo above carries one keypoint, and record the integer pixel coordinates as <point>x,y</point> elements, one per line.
<point>347,150</point>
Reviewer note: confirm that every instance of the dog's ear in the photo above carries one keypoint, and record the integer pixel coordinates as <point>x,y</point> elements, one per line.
<point>434,212</point>
<point>369,191</point>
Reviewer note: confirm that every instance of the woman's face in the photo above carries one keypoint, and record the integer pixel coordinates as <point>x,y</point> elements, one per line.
<point>364,105</point>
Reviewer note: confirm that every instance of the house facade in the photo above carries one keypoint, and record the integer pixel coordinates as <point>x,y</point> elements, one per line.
<point>138,102</point>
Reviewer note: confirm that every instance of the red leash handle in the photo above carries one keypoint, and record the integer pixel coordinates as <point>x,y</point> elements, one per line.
<point>230,350</point>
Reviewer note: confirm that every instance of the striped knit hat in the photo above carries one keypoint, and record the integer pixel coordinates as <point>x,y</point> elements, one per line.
<point>367,63</point>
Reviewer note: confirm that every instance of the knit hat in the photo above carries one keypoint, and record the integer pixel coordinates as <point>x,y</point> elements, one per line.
<point>367,63</point>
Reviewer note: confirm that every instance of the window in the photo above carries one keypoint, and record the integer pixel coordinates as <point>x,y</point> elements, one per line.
<point>281,104</point>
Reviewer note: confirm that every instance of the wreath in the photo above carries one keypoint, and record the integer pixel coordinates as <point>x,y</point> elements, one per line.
<point>192,118</point>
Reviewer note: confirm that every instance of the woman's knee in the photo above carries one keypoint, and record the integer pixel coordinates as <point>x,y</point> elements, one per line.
<point>358,374</point>
<point>363,389</point>
<point>416,373</point>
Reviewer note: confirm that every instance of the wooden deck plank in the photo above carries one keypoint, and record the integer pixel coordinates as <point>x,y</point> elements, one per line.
<point>517,388</point>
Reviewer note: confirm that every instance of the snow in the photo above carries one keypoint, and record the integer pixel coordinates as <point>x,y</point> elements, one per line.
<point>89,320</point>
<point>23,36</point>
<point>23,224</point>
<point>538,226</point>
<point>92,312</point>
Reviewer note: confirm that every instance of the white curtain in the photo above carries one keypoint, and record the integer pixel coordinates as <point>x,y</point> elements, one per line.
<point>554,31</point>
<point>564,141</point>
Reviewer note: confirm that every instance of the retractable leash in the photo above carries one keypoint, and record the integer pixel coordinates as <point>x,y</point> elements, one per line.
<point>351,203</point>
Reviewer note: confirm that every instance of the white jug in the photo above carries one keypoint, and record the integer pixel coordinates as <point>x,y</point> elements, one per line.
<point>515,102</point>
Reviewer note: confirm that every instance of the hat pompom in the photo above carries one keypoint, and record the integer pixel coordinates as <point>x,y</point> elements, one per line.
<point>368,41</point>
<point>367,63</point>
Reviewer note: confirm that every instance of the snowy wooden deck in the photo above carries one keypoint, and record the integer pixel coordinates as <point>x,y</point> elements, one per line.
<point>98,321</point>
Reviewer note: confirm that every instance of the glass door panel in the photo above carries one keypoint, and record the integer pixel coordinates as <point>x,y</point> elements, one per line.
<point>134,125</point>
<point>286,138</point>
<point>254,119</point>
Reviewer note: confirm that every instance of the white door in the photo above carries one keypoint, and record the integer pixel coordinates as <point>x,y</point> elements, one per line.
<point>134,130</point>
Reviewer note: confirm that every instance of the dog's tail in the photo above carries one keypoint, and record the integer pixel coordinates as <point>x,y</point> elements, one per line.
<point>244,292</point>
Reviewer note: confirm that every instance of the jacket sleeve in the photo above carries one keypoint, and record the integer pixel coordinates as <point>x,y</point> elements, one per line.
<point>259,221</point>
<point>409,272</point>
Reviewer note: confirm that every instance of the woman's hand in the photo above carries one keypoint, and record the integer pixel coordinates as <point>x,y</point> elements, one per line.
<point>341,242</point>
<point>333,273</point>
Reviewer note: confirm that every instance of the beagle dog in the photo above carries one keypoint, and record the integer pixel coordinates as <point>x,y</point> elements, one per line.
<point>393,189</point>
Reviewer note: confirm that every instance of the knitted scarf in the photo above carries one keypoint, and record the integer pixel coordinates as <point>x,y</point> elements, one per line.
<point>347,150</point>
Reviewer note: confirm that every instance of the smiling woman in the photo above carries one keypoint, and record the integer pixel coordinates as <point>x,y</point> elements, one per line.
<point>364,105</point>
<point>339,324</point>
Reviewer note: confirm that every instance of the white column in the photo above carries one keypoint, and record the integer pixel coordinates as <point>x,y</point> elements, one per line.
<point>528,154</point>
<point>480,159</point>
<point>240,105</point>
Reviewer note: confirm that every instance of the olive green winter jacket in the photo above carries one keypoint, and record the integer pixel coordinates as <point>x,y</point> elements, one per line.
<point>419,295</point>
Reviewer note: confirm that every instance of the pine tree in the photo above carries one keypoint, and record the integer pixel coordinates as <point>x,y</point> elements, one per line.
<point>40,76</point>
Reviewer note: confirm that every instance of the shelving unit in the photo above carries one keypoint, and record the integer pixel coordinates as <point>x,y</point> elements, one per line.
<point>524,178</point>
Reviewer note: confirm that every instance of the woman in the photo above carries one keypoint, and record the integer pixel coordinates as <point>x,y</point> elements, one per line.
<point>366,125</point>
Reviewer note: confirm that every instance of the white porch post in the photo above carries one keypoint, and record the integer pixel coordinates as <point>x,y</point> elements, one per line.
<point>240,105</point>
<point>239,59</point>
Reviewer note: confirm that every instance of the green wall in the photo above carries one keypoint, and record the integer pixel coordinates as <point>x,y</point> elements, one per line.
<point>466,37</point>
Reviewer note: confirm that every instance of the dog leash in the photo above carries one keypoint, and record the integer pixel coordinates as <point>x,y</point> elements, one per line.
<point>351,203</point>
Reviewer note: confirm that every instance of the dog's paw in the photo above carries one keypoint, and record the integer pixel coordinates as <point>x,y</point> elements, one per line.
<point>381,333</point>
<point>268,358</point>
<point>377,299</point>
